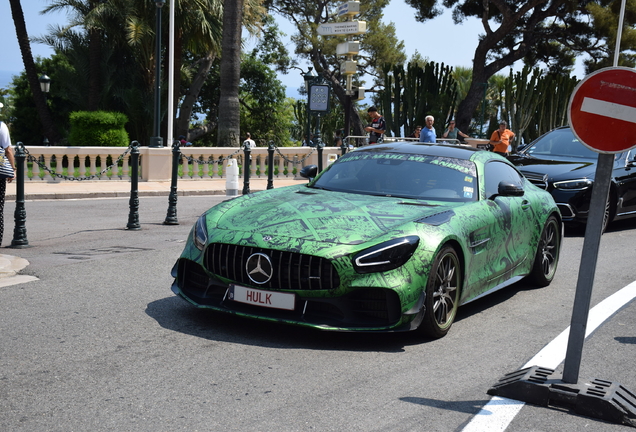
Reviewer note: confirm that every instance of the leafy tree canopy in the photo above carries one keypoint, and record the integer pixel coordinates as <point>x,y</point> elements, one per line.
<point>535,30</point>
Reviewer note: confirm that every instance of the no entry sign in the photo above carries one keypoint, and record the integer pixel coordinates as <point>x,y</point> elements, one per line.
<point>602,110</point>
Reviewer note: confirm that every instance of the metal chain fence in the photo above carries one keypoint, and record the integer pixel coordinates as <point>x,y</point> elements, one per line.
<point>294,162</point>
<point>36,161</point>
<point>209,162</point>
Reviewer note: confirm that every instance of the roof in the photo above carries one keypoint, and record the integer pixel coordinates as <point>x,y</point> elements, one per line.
<point>444,150</point>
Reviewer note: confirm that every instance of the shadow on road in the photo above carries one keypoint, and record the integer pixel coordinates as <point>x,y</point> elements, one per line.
<point>468,407</point>
<point>175,314</point>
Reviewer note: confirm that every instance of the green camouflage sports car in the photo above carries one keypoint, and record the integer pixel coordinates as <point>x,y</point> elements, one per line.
<point>390,237</point>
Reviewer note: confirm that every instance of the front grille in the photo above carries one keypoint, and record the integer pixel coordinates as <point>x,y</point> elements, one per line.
<point>539,180</point>
<point>292,271</point>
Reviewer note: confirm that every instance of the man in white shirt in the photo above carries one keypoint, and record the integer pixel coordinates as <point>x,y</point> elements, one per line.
<point>249,141</point>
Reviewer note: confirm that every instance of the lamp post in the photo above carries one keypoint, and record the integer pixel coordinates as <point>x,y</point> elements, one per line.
<point>45,86</point>
<point>157,140</point>
<point>319,103</point>
<point>308,77</point>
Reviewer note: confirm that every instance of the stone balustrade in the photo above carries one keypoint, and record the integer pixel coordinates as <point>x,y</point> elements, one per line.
<point>198,163</point>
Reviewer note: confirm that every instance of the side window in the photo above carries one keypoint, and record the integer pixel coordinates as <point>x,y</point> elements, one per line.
<point>497,172</point>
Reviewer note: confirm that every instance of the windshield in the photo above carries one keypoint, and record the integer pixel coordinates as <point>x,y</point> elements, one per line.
<point>560,142</point>
<point>402,175</point>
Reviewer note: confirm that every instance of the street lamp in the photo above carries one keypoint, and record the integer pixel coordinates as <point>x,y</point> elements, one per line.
<point>157,140</point>
<point>308,77</point>
<point>45,86</point>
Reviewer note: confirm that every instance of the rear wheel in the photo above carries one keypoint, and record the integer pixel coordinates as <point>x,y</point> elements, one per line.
<point>547,256</point>
<point>442,294</point>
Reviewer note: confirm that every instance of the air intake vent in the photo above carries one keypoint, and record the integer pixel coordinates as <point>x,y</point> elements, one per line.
<point>539,180</point>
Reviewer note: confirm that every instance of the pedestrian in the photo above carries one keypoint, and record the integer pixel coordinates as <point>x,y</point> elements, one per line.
<point>428,135</point>
<point>5,143</point>
<point>249,142</point>
<point>501,138</point>
<point>183,141</point>
<point>377,128</point>
<point>452,132</point>
<point>337,139</point>
<point>416,132</point>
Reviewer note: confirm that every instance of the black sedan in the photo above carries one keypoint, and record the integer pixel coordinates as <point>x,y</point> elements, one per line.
<point>559,163</point>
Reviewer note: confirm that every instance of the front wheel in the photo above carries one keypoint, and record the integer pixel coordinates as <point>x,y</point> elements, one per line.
<point>442,294</point>
<point>547,256</point>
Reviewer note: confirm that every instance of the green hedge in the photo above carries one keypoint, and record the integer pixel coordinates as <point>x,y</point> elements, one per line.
<point>98,128</point>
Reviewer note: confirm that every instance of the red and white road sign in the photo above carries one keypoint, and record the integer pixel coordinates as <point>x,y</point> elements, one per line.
<point>602,110</point>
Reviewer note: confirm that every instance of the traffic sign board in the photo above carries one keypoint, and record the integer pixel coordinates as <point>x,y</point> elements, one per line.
<point>319,97</point>
<point>349,8</point>
<point>602,110</point>
<point>348,48</point>
<point>342,28</point>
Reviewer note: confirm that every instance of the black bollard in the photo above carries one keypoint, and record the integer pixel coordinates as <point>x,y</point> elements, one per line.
<point>246,168</point>
<point>133,216</point>
<point>319,146</point>
<point>270,165</point>
<point>19,214</point>
<point>171,217</point>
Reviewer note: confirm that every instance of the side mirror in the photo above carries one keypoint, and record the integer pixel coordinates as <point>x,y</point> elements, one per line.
<point>510,189</point>
<point>507,189</point>
<point>309,171</point>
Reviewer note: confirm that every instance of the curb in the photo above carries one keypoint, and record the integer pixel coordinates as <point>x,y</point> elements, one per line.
<point>11,265</point>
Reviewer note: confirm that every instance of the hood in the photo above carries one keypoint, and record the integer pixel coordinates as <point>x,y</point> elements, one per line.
<point>308,214</point>
<point>556,168</point>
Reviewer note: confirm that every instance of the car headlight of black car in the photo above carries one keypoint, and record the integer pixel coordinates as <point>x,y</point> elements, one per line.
<point>385,256</point>
<point>200,233</point>
<point>578,184</point>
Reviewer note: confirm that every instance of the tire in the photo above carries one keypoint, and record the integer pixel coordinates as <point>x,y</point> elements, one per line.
<point>547,256</point>
<point>610,211</point>
<point>442,294</point>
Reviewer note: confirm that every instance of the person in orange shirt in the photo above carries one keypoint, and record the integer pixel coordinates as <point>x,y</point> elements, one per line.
<point>501,139</point>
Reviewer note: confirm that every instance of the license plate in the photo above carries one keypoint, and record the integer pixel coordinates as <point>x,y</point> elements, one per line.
<point>269,299</point>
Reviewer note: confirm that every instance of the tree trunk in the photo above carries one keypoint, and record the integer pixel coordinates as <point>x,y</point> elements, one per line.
<point>50,131</point>
<point>94,79</point>
<point>229,106</point>
<point>185,112</point>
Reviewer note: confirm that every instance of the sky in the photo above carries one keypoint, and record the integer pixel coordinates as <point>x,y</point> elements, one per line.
<point>439,40</point>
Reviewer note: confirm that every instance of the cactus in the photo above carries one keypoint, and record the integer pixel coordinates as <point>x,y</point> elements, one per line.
<point>412,94</point>
<point>522,96</point>
<point>536,104</point>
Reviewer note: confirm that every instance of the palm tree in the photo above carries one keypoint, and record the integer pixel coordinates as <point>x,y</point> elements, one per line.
<point>86,14</point>
<point>50,131</point>
<point>229,107</point>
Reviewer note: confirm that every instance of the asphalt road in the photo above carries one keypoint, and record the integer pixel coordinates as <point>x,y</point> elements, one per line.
<point>100,343</point>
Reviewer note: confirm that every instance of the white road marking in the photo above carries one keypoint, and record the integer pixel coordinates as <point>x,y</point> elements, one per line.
<point>497,414</point>
<point>609,109</point>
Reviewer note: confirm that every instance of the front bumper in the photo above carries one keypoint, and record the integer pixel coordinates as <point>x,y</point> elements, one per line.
<point>361,309</point>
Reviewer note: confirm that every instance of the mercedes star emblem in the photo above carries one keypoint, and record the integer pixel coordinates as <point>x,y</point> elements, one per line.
<point>259,268</point>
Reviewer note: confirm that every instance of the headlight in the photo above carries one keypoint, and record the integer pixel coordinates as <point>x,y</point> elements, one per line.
<point>385,256</point>
<point>200,233</point>
<point>578,184</point>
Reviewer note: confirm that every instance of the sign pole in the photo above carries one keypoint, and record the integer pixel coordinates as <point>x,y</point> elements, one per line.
<point>593,232</point>
<point>587,268</point>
